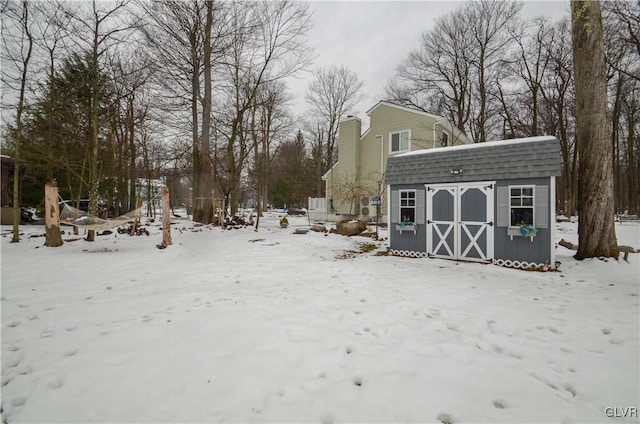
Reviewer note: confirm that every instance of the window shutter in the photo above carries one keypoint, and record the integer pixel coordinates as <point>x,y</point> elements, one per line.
<point>395,207</point>
<point>420,204</point>
<point>502,217</point>
<point>541,212</point>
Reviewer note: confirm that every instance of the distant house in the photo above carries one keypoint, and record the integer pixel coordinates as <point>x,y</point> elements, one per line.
<point>488,202</point>
<point>7,166</point>
<point>357,179</point>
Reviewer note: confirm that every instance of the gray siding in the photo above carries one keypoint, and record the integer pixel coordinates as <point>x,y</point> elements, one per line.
<point>407,240</point>
<point>522,248</point>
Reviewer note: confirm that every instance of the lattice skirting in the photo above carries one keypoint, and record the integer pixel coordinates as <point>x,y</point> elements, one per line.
<point>500,262</point>
<point>517,264</point>
<point>408,253</point>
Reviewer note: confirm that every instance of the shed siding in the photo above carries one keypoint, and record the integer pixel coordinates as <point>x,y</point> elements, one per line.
<point>522,249</point>
<point>407,240</point>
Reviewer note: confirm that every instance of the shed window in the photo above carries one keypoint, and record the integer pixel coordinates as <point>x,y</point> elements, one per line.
<point>521,205</point>
<point>399,141</point>
<point>408,206</point>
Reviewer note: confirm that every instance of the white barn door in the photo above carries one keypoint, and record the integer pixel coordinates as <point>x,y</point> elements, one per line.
<point>460,221</point>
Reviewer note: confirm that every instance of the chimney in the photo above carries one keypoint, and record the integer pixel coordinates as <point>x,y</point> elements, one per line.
<point>349,143</point>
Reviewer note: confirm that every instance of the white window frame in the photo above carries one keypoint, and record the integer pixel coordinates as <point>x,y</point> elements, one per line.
<point>400,149</point>
<point>405,205</point>
<point>521,196</point>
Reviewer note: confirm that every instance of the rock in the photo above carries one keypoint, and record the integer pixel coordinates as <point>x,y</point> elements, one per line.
<point>351,228</point>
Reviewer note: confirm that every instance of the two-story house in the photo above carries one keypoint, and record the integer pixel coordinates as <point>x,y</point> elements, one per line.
<point>357,180</point>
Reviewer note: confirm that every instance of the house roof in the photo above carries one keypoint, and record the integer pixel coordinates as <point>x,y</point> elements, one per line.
<point>495,160</point>
<point>407,109</point>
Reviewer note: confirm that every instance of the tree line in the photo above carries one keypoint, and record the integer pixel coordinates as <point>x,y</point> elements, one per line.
<point>497,76</point>
<point>110,95</point>
<point>118,92</point>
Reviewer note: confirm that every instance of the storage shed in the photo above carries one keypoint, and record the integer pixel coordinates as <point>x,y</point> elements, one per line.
<point>489,202</point>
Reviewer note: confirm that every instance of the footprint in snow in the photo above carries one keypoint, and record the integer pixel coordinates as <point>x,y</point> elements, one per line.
<point>499,404</point>
<point>606,331</point>
<point>18,401</point>
<point>569,388</point>
<point>13,324</point>
<point>327,418</point>
<point>55,382</point>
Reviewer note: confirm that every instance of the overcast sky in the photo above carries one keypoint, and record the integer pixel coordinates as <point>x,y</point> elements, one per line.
<point>372,37</point>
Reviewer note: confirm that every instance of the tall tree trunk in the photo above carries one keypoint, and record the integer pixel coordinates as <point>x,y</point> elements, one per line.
<point>204,213</point>
<point>195,94</point>
<point>596,229</point>
<point>23,84</point>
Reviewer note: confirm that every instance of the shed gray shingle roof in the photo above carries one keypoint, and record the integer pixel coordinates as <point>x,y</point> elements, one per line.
<point>496,160</point>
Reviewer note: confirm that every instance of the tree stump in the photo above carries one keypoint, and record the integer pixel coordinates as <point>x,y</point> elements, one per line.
<point>52,215</point>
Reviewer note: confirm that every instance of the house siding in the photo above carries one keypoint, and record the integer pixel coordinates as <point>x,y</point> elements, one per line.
<point>362,159</point>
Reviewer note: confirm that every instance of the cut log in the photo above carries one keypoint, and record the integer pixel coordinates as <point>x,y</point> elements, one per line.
<point>52,215</point>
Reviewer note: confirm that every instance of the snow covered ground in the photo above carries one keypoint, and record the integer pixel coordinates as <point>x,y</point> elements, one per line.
<point>272,326</point>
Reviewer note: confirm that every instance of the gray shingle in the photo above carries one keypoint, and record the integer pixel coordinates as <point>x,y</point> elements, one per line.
<point>498,160</point>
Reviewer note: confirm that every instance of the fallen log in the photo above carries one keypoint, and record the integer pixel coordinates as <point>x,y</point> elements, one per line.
<point>623,249</point>
<point>568,244</point>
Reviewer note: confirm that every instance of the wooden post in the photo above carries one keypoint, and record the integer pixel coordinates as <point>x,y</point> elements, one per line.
<point>166,218</point>
<point>52,215</point>
<point>136,219</point>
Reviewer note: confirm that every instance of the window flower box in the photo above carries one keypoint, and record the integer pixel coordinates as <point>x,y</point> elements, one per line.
<point>406,226</point>
<point>522,231</point>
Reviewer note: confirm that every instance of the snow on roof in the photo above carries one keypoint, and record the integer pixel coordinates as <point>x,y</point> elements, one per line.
<point>478,145</point>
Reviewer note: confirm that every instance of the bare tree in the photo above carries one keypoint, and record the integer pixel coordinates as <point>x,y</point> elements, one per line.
<point>436,77</point>
<point>330,95</point>
<point>491,23</point>
<point>621,31</point>
<point>596,229</point>
<point>269,124</point>
<point>559,111</point>
<point>454,70</point>
<point>100,27</point>
<point>17,49</point>
<point>268,44</point>
<point>627,36</point>
<point>53,36</point>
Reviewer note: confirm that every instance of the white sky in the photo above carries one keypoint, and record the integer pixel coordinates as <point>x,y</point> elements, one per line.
<point>372,37</point>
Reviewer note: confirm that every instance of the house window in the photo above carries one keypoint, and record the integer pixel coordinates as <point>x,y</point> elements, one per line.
<point>399,141</point>
<point>445,139</point>
<point>408,206</point>
<point>521,205</point>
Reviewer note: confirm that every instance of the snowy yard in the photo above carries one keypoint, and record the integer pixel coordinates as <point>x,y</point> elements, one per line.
<point>270,326</point>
